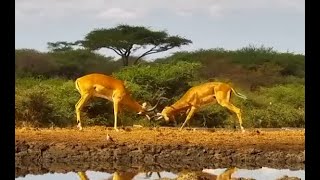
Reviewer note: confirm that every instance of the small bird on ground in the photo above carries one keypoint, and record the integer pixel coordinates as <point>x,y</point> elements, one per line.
<point>109,138</point>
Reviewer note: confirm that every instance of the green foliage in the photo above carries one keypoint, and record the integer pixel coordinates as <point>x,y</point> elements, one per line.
<point>272,81</point>
<point>69,64</point>
<point>33,63</point>
<point>35,108</point>
<point>51,102</point>
<point>251,67</point>
<point>150,81</point>
<point>79,62</point>
<point>278,106</point>
<point>45,100</point>
<point>292,94</point>
<point>59,46</point>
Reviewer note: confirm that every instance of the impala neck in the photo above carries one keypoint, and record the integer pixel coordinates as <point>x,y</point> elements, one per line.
<point>178,106</point>
<point>132,104</point>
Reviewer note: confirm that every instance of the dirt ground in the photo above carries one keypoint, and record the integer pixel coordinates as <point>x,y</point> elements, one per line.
<point>163,148</point>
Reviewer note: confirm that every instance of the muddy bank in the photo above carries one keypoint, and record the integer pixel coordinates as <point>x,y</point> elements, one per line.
<point>40,151</point>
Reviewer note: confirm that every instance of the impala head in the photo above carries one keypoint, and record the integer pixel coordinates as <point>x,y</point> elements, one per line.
<point>144,110</point>
<point>166,114</point>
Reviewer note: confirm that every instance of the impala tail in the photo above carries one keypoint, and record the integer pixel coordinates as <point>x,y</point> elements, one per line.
<point>239,94</point>
<point>77,86</point>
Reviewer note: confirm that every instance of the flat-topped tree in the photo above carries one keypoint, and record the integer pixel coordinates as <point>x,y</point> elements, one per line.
<point>125,40</point>
<point>59,46</point>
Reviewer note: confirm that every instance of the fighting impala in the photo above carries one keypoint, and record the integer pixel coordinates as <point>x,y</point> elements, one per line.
<point>198,96</point>
<point>107,87</point>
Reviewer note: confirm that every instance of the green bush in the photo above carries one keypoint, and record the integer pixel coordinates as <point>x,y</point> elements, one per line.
<point>75,63</point>
<point>67,64</point>
<point>29,62</point>
<point>147,82</point>
<point>274,107</point>
<point>43,102</point>
<point>278,106</point>
<point>35,108</point>
<point>273,82</point>
<point>48,100</point>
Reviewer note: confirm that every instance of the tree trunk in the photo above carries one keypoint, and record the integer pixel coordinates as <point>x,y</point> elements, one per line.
<point>125,60</point>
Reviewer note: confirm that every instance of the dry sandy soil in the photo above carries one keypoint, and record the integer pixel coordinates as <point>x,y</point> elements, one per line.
<point>43,150</point>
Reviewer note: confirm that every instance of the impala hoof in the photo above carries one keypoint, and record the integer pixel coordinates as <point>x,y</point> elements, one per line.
<point>79,126</point>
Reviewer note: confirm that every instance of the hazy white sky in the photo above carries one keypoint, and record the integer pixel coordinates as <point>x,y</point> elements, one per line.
<point>230,24</point>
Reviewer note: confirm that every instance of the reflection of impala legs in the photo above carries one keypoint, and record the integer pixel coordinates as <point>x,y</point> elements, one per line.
<point>149,174</point>
<point>82,175</point>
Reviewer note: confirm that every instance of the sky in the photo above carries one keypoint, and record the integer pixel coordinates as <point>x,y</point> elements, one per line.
<point>228,24</point>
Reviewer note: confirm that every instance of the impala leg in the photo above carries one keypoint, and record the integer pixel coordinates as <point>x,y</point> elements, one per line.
<point>82,175</point>
<point>235,110</point>
<point>190,114</point>
<point>115,111</point>
<point>82,101</point>
<point>158,174</point>
<point>148,175</point>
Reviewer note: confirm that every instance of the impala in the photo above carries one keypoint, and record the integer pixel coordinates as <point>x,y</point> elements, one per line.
<point>198,96</point>
<point>107,87</point>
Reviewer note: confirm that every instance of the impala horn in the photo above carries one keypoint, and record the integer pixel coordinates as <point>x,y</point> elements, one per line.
<point>156,117</point>
<point>155,106</point>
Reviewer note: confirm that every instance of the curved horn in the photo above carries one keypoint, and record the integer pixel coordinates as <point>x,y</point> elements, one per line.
<point>154,107</point>
<point>158,116</point>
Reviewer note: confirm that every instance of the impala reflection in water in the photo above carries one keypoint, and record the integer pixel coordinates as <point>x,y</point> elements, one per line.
<point>232,173</point>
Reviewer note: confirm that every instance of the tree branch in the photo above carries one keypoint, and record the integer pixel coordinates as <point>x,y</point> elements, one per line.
<point>118,51</point>
<point>128,50</point>
<point>152,51</point>
<point>144,54</point>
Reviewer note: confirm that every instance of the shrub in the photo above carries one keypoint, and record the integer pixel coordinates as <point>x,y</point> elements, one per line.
<point>262,74</point>
<point>32,63</point>
<point>148,81</point>
<point>45,101</point>
<point>278,106</point>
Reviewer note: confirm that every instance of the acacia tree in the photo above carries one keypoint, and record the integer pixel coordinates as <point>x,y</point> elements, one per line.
<point>125,40</point>
<point>60,46</point>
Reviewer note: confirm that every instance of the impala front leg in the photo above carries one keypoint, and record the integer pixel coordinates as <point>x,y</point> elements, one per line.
<point>115,110</point>
<point>190,114</point>
<point>82,101</point>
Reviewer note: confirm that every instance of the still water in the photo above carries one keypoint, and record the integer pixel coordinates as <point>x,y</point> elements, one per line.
<point>257,174</point>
